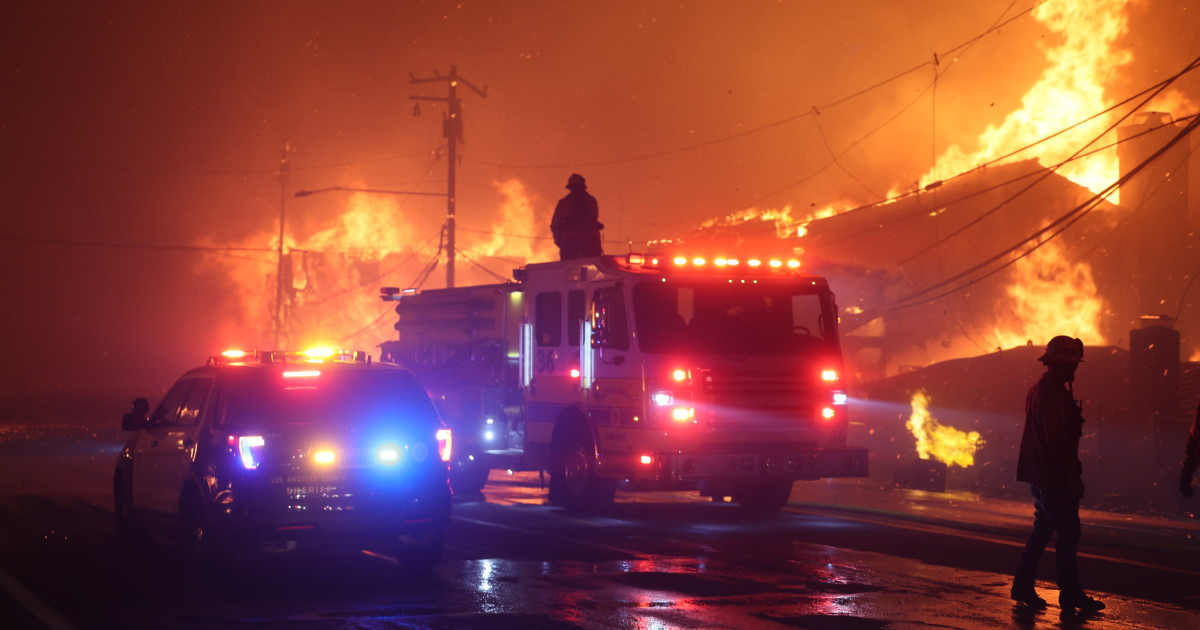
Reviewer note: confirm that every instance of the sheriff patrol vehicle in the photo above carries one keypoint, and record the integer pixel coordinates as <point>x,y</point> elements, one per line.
<point>270,452</point>
<point>641,372</point>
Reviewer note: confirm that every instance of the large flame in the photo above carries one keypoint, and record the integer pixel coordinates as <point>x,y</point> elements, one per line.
<point>331,277</point>
<point>1072,88</point>
<point>518,231</point>
<point>1051,296</point>
<point>938,441</point>
<point>780,218</point>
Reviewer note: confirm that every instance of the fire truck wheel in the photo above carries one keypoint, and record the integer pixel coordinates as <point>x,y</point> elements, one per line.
<point>573,481</point>
<point>768,496</point>
<point>468,477</point>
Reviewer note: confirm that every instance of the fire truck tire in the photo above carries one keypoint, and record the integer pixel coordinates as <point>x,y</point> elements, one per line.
<point>767,496</point>
<point>468,477</point>
<point>573,481</point>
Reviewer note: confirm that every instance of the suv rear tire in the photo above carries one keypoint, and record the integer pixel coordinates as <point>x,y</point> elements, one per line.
<point>418,554</point>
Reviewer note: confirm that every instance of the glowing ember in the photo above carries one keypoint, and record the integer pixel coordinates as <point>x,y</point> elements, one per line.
<point>937,441</point>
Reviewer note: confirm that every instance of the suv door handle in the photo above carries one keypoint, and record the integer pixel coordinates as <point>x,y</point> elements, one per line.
<point>188,442</point>
<point>154,444</point>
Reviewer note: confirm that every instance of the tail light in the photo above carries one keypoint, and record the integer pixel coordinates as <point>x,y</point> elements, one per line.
<point>249,449</point>
<point>829,409</point>
<point>445,443</point>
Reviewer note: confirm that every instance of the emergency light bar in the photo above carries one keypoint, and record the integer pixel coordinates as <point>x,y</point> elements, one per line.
<point>312,355</point>
<point>642,261</point>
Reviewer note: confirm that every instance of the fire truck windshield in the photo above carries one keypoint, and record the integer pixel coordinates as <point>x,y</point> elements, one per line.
<point>697,317</point>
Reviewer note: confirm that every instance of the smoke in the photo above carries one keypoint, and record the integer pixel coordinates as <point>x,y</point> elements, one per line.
<point>141,124</point>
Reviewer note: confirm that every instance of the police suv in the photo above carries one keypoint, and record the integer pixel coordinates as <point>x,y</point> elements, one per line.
<point>269,452</point>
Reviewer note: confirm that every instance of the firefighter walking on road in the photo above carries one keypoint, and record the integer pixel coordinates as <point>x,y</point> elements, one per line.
<point>576,224</point>
<point>1049,462</point>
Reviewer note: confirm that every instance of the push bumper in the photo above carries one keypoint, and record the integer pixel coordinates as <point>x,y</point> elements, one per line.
<point>735,466</point>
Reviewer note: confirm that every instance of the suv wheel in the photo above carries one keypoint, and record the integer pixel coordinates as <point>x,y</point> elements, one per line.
<point>196,544</point>
<point>418,554</point>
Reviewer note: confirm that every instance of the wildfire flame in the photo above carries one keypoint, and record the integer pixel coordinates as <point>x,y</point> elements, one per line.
<point>937,441</point>
<point>1071,88</point>
<point>781,217</point>
<point>1051,294</point>
<point>331,277</point>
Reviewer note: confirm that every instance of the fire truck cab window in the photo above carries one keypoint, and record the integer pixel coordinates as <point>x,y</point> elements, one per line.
<point>575,315</point>
<point>732,319</point>
<point>548,324</point>
<point>610,329</point>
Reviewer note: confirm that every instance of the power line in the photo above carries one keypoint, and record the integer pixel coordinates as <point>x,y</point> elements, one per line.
<point>485,269</point>
<point>1066,220</point>
<point>188,248</point>
<point>815,109</point>
<point>247,171</point>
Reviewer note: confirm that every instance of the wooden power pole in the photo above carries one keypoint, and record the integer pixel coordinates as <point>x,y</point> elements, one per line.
<point>452,129</point>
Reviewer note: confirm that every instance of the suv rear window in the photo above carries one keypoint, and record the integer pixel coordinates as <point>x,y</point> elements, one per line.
<point>334,397</point>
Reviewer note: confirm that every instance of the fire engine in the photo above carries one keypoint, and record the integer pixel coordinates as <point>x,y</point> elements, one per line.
<point>643,372</point>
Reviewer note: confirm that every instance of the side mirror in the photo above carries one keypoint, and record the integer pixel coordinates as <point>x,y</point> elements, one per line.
<point>136,419</point>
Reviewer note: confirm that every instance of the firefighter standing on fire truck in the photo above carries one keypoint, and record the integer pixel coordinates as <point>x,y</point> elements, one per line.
<point>1049,462</point>
<point>576,226</point>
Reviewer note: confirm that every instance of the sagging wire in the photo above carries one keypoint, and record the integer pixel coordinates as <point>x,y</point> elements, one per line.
<point>1053,169</point>
<point>485,269</point>
<point>1066,220</point>
<point>1157,87</point>
<point>815,108</point>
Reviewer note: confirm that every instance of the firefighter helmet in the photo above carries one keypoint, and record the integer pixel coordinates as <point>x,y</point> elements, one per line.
<point>576,181</point>
<point>1063,349</point>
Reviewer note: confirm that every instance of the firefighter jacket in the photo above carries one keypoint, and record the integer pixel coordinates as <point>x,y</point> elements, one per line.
<point>576,226</point>
<point>1049,457</point>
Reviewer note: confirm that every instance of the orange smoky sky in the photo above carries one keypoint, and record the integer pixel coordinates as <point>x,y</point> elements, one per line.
<point>142,142</point>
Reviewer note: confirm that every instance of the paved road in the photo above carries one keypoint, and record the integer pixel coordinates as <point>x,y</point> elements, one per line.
<point>663,560</point>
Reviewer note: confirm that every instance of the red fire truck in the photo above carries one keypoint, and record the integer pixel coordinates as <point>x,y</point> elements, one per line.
<point>640,372</point>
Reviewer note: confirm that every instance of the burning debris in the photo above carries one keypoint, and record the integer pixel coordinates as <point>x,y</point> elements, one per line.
<point>937,441</point>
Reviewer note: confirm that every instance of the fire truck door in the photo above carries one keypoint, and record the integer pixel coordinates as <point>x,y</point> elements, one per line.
<point>609,328</point>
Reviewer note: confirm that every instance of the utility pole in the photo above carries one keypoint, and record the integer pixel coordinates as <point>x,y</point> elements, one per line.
<point>279,293</point>
<point>452,129</point>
